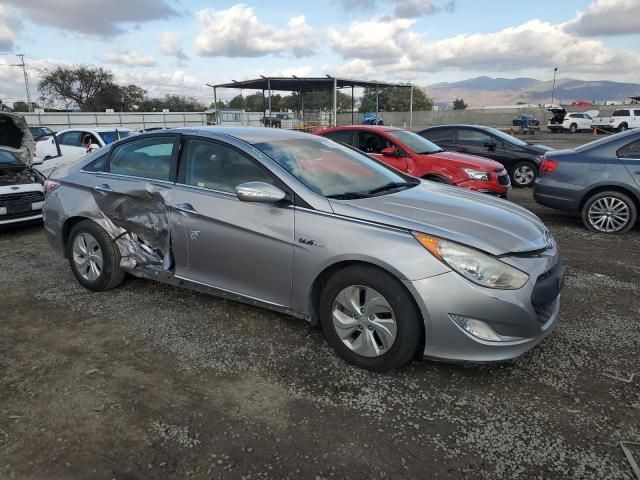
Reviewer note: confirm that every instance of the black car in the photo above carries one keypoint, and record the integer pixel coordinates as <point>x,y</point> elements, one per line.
<point>521,160</point>
<point>599,181</point>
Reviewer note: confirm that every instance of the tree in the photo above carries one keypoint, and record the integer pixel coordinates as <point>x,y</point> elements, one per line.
<point>20,106</point>
<point>126,98</point>
<point>458,104</point>
<point>77,85</point>
<point>394,99</point>
<point>174,103</point>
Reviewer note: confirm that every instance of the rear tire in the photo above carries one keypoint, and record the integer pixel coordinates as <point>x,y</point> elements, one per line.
<point>523,174</point>
<point>609,212</point>
<point>370,319</point>
<point>94,257</point>
<point>573,128</point>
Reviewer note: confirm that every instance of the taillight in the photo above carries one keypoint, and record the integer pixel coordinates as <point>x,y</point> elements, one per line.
<point>50,186</point>
<point>548,165</point>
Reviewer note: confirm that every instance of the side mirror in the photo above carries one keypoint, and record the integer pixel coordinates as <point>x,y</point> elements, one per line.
<point>259,192</point>
<point>490,145</point>
<point>389,152</point>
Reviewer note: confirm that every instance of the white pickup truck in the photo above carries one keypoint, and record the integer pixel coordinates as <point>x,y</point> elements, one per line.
<point>620,120</point>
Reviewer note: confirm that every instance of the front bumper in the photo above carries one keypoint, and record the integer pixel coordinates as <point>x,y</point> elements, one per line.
<point>491,187</point>
<point>510,313</point>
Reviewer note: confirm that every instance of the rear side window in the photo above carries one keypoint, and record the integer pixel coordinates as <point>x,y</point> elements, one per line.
<point>631,150</point>
<point>99,165</point>
<point>473,137</point>
<point>621,113</point>
<point>146,158</point>
<point>343,136</point>
<point>439,136</point>
<point>217,167</point>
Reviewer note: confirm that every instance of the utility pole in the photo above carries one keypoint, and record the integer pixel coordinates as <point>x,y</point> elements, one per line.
<point>26,79</point>
<point>553,90</point>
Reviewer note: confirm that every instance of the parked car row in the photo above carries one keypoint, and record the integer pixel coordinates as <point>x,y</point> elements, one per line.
<point>619,121</point>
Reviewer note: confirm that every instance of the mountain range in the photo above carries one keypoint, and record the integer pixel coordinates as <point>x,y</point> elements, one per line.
<point>486,91</point>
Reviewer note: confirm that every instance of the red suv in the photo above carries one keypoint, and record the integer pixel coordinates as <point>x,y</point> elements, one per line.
<point>419,157</point>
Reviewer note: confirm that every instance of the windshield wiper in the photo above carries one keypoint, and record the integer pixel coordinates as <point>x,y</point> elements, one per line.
<point>390,186</point>
<point>430,152</point>
<point>348,196</point>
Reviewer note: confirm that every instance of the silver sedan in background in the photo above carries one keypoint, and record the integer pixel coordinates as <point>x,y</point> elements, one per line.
<point>389,265</point>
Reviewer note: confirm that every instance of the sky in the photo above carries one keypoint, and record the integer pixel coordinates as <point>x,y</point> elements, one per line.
<point>177,46</point>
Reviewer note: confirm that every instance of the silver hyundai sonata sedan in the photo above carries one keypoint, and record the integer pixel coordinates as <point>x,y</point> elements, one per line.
<point>389,265</point>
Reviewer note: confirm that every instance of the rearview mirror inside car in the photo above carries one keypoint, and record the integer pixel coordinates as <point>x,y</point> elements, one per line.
<point>259,192</point>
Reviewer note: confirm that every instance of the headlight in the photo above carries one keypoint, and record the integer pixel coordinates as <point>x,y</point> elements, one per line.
<point>481,268</point>
<point>476,174</point>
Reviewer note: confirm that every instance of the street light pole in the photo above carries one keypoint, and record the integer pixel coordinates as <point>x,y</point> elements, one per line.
<point>553,90</point>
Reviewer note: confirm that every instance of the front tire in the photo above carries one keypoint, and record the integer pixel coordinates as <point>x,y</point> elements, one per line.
<point>623,127</point>
<point>573,128</point>
<point>94,257</point>
<point>609,212</point>
<point>523,174</point>
<point>370,319</point>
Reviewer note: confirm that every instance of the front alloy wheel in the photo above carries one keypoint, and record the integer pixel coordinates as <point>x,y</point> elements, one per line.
<point>523,174</point>
<point>364,321</point>
<point>609,212</point>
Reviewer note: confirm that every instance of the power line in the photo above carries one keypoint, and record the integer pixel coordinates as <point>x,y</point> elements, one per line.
<point>26,80</point>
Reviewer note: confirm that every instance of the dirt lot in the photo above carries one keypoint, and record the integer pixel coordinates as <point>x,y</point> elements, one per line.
<point>148,381</point>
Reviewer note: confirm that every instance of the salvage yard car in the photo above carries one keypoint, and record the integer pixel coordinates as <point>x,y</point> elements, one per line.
<point>563,121</point>
<point>389,265</point>
<point>521,159</point>
<point>599,180</point>
<point>21,196</point>
<point>417,156</point>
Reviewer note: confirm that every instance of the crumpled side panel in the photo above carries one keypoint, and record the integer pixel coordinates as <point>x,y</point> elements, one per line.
<point>141,225</point>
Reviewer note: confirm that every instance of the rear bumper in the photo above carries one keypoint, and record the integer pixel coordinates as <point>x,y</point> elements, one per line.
<point>558,195</point>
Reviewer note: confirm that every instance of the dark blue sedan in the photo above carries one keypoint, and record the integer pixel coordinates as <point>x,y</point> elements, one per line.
<point>599,180</point>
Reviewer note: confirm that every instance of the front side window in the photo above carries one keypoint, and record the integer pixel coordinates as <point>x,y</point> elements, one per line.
<point>372,142</point>
<point>473,138</point>
<point>146,158</point>
<point>331,169</point>
<point>71,139</point>
<point>631,150</point>
<point>415,142</point>
<point>217,167</point>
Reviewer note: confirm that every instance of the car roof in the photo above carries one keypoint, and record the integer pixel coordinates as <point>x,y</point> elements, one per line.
<point>460,125</point>
<point>371,128</point>
<point>246,134</point>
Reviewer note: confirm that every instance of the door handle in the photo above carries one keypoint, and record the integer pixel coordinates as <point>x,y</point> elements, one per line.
<point>185,208</point>
<point>103,188</point>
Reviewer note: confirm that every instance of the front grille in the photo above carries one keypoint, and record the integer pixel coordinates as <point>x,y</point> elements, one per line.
<point>545,311</point>
<point>503,180</point>
<point>29,196</point>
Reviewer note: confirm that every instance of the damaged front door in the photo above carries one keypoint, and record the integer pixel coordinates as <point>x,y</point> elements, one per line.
<point>241,247</point>
<point>133,193</point>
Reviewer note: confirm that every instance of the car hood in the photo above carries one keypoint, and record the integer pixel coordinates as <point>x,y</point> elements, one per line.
<point>466,160</point>
<point>19,140</point>
<point>488,223</point>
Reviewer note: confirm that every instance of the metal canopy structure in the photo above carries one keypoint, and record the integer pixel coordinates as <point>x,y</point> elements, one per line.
<point>312,84</point>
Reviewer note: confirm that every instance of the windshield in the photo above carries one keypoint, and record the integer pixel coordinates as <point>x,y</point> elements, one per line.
<point>110,137</point>
<point>415,142</point>
<point>7,158</point>
<point>507,138</point>
<point>332,170</point>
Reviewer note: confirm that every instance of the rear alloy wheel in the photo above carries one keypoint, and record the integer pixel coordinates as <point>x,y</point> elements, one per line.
<point>370,319</point>
<point>94,257</point>
<point>523,174</point>
<point>573,128</point>
<point>609,212</point>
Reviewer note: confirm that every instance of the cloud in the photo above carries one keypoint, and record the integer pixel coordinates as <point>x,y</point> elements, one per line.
<point>10,25</point>
<point>419,8</point>
<point>158,83</point>
<point>607,18</point>
<point>237,32</point>
<point>93,17</point>
<point>131,58</point>
<point>390,46</point>
<point>170,45</point>
<point>350,5</point>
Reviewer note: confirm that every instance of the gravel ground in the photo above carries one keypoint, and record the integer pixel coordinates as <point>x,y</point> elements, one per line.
<point>150,381</point>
